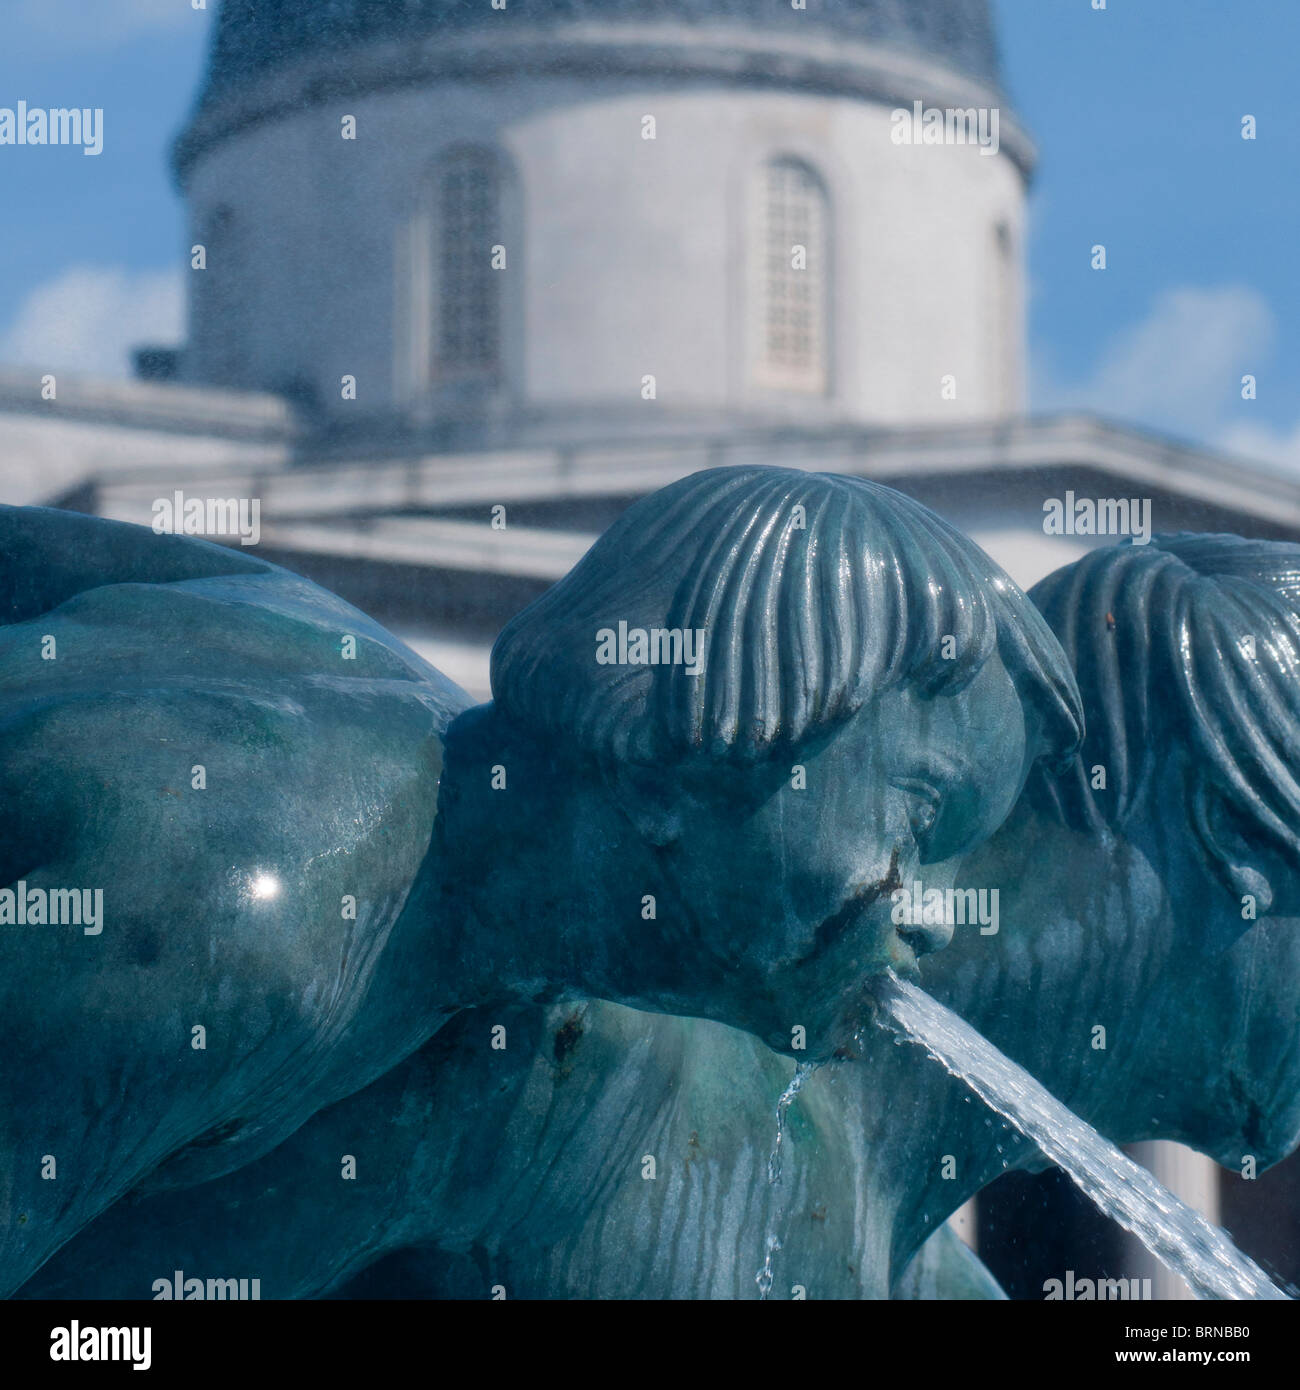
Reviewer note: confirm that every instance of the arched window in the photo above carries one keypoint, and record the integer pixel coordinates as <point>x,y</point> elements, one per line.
<point>467,299</point>
<point>793,279</point>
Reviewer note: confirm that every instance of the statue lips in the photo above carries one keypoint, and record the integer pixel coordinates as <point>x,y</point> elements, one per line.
<point>923,939</point>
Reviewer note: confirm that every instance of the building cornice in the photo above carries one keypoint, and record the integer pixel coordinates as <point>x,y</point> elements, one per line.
<point>344,491</point>
<point>667,53</point>
<point>150,406</point>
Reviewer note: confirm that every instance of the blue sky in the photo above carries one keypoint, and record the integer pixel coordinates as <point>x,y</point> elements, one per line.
<point>1137,113</point>
<point>1136,110</point>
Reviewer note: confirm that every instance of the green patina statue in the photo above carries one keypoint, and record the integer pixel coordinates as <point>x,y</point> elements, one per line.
<point>1126,903</point>
<point>315,859</point>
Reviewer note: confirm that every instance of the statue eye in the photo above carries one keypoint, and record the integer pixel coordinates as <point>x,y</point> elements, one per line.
<point>923,803</point>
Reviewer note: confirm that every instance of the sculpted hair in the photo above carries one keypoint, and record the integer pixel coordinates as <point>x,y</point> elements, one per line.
<point>813,592</point>
<point>1158,636</point>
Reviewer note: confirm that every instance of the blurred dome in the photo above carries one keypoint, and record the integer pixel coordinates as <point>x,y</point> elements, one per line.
<point>253,37</point>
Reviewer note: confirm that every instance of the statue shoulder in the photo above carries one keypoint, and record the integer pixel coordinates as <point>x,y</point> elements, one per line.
<point>89,603</point>
<point>164,687</point>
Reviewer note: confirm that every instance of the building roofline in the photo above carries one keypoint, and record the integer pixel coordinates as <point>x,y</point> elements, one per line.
<point>164,407</point>
<point>372,498</point>
<point>717,52</point>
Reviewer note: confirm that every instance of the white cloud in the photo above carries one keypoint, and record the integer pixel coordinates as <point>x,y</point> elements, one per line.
<point>87,320</point>
<point>97,23</point>
<point>1180,368</point>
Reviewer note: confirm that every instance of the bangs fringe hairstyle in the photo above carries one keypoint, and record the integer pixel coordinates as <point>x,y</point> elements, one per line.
<point>1157,636</point>
<point>802,626</point>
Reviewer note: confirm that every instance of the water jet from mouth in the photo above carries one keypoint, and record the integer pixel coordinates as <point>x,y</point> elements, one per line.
<point>1176,1234</point>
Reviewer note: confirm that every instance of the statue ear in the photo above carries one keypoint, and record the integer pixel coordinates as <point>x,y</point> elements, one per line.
<point>650,798</point>
<point>1227,854</point>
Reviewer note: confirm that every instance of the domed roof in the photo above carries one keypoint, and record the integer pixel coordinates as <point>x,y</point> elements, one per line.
<point>253,37</point>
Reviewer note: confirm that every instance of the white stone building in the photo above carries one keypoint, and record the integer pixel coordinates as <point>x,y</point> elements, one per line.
<point>447,256</point>
<point>646,167</point>
<point>503,291</point>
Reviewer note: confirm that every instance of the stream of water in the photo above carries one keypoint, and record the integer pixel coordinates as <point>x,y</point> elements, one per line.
<point>801,1074</point>
<point>1179,1236</point>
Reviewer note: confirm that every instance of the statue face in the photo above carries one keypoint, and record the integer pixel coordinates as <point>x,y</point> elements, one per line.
<point>786,878</point>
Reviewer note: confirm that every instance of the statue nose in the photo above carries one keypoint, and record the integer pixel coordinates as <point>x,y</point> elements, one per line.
<point>924,939</point>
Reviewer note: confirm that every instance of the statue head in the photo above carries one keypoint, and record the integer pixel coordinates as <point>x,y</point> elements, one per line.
<point>763,698</point>
<point>1187,654</point>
